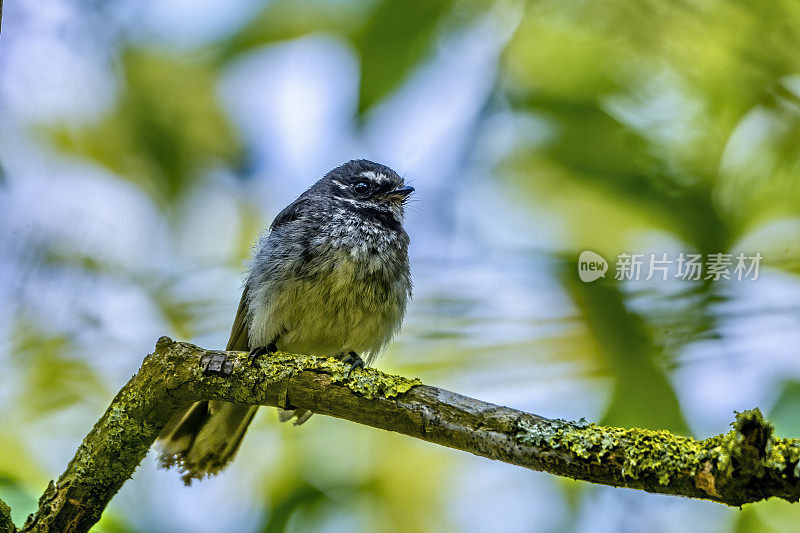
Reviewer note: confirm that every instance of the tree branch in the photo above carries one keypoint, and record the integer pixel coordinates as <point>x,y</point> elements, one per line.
<point>745,465</point>
<point>6,524</point>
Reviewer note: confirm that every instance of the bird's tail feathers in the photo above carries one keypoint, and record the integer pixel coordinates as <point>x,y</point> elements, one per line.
<point>203,438</point>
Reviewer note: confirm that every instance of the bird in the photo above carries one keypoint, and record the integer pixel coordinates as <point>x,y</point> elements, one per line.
<point>330,276</point>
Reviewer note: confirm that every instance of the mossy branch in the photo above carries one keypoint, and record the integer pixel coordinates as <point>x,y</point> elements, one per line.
<point>6,524</point>
<point>745,465</point>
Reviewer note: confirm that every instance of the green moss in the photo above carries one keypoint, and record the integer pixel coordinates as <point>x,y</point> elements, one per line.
<point>639,452</point>
<point>280,366</point>
<point>367,382</point>
<point>118,428</point>
<point>753,449</point>
<point>6,524</point>
<point>749,450</point>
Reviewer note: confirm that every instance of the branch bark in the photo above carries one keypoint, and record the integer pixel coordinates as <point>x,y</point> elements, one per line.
<point>745,465</point>
<point>6,524</point>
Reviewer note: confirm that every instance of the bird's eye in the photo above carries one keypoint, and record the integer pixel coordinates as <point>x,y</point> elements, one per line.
<point>361,187</point>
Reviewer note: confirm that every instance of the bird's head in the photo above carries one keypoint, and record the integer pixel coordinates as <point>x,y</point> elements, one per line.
<point>364,184</point>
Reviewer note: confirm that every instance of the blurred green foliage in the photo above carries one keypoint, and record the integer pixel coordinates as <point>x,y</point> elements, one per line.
<point>784,414</point>
<point>650,102</point>
<point>392,41</point>
<point>166,127</point>
<point>391,37</point>
<point>629,350</point>
<point>55,379</point>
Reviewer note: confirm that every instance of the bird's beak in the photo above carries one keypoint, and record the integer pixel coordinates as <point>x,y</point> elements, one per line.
<point>401,193</point>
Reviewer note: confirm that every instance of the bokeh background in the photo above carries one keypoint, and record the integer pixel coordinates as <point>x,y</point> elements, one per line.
<point>144,144</point>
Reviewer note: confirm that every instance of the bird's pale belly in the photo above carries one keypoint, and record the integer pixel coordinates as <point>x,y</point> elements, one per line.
<point>328,315</point>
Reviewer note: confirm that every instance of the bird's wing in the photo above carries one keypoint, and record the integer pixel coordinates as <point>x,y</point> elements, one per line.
<point>239,339</point>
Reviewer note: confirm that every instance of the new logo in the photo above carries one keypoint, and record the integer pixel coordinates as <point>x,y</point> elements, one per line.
<point>591,266</point>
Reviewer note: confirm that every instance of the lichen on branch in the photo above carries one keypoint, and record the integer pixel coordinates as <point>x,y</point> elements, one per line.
<point>746,464</point>
<point>6,524</point>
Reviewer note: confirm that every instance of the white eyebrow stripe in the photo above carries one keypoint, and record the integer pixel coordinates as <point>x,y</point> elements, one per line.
<point>340,184</point>
<point>380,178</point>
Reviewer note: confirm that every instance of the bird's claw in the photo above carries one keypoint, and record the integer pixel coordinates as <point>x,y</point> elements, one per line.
<point>258,351</point>
<point>354,361</point>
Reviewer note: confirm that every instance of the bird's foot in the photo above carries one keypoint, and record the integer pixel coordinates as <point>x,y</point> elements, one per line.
<point>354,361</point>
<point>258,351</point>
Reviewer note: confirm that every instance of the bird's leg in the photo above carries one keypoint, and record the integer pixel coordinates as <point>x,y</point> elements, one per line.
<point>353,359</point>
<point>269,349</point>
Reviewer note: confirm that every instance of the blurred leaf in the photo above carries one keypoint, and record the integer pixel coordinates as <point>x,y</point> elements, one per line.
<point>785,414</point>
<point>166,129</point>
<point>393,40</point>
<point>663,108</point>
<point>333,472</point>
<point>20,501</point>
<point>53,379</point>
<point>770,516</point>
<point>602,155</point>
<point>182,315</point>
<point>560,60</point>
<point>110,523</point>
<point>281,20</point>
<point>303,496</point>
<point>643,396</point>
<point>573,492</point>
<point>760,172</point>
<point>682,317</point>
<point>747,520</point>
<point>390,36</point>
<point>410,498</point>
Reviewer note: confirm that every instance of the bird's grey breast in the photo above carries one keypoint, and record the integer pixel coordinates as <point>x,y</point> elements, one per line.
<point>331,282</point>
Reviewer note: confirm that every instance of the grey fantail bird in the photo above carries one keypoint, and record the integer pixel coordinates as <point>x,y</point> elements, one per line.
<point>330,277</point>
